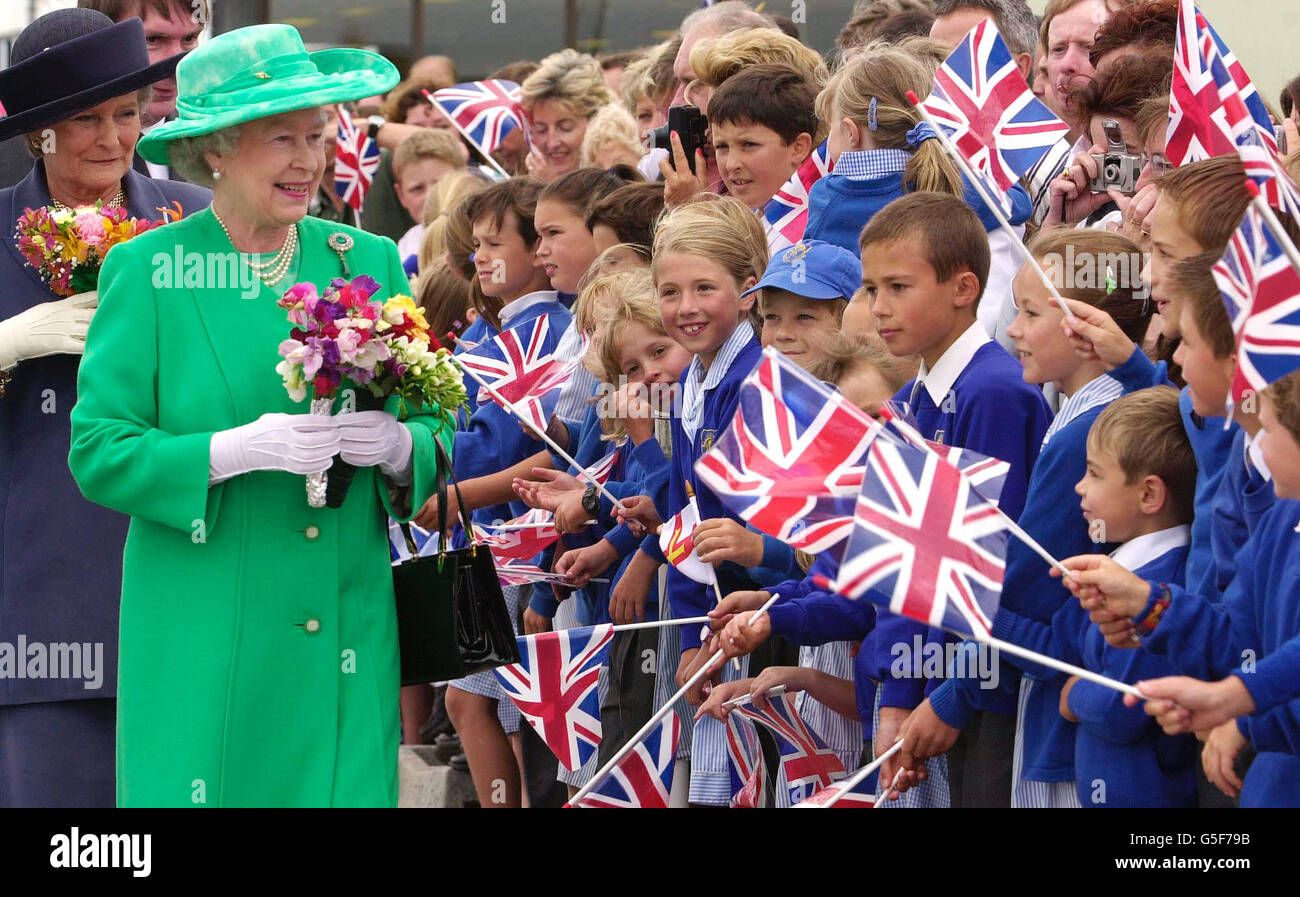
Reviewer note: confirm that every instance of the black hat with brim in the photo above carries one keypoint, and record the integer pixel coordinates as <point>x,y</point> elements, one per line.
<point>106,61</point>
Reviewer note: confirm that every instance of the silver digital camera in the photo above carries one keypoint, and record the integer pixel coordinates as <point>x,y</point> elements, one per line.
<point>1118,168</point>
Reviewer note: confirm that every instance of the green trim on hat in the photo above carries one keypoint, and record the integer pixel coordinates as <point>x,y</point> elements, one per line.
<point>259,71</point>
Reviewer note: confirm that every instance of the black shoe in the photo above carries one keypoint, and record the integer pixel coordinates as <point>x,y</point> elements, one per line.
<point>446,747</point>
<point>459,763</point>
<point>438,723</point>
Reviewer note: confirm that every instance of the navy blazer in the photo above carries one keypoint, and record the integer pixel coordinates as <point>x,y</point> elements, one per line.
<point>60,555</point>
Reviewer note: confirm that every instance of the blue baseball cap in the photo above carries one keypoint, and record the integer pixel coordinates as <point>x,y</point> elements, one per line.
<point>813,269</point>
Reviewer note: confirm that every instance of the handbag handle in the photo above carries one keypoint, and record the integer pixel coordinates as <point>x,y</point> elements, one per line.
<point>446,472</point>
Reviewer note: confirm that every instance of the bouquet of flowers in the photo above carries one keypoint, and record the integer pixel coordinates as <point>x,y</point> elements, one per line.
<point>67,246</point>
<point>384,348</point>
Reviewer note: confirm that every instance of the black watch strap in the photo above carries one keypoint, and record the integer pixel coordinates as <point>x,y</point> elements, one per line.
<point>591,500</point>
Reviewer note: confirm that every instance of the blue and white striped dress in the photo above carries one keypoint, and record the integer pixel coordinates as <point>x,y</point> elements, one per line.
<point>933,793</point>
<point>841,734</point>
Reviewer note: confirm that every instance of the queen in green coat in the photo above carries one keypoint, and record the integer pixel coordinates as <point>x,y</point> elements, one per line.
<point>258,662</point>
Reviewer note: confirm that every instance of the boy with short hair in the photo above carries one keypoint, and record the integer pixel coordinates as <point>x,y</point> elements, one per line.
<point>764,126</point>
<point>1139,485</point>
<point>925,260</point>
<point>420,161</point>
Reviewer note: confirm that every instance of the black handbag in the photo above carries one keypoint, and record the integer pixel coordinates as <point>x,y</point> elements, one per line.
<point>452,619</point>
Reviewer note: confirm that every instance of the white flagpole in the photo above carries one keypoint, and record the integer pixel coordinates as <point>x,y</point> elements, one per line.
<point>983,635</point>
<point>745,699</point>
<point>996,207</point>
<point>451,118</point>
<point>509,406</point>
<point>659,624</point>
<point>662,712</point>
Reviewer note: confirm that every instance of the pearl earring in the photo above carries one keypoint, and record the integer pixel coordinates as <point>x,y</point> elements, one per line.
<point>216,174</point>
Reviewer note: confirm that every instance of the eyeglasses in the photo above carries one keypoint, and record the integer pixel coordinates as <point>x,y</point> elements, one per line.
<point>1159,162</point>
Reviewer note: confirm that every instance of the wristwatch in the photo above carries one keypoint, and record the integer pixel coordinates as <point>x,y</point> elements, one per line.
<point>6,376</point>
<point>591,500</point>
<point>376,122</point>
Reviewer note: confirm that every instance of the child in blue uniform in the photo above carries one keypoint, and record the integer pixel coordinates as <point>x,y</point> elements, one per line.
<point>505,245</point>
<point>1139,486</point>
<point>1043,756</point>
<point>925,258</point>
<point>1258,618</point>
<point>706,255</point>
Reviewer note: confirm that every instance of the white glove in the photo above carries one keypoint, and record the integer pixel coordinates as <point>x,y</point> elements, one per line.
<point>51,328</point>
<point>369,438</point>
<point>295,443</point>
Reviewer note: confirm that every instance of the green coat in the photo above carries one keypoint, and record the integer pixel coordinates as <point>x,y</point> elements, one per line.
<point>258,657</point>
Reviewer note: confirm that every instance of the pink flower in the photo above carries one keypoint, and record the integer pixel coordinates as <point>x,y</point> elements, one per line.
<point>90,228</point>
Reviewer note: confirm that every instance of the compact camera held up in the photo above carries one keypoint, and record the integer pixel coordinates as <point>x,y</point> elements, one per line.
<point>1118,169</point>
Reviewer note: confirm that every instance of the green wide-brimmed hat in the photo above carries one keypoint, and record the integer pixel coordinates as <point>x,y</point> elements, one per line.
<point>261,70</point>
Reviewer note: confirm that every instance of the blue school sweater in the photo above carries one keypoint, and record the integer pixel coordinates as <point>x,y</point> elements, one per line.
<point>686,597</point>
<point>1212,446</point>
<point>1052,516</point>
<point>1259,615</point>
<point>838,208</point>
<point>493,440</point>
<point>1122,747</point>
<point>989,409</point>
<point>1243,497</point>
<point>805,614</point>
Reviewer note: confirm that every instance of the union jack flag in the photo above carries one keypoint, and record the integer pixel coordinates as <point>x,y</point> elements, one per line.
<point>520,364</point>
<point>862,795</point>
<point>746,766</point>
<point>356,159</point>
<point>601,470</point>
<point>554,687</point>
<point>792,461</point>
<point>987,475</point>
<point>1262,292</point>
<point>786,213</point>
<point>536,531</point>
<point>644,777</point>
<point>484,111</point>
<point>925,544</point>
<point>808,763</point>
<point>1215,109</point>
<point>514,574</point>
<point>986,108</point>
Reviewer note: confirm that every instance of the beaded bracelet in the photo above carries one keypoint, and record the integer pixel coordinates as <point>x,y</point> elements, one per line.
<point>1149,621</point>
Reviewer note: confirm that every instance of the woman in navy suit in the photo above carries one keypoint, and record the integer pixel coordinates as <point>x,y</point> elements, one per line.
<point>78,103</point>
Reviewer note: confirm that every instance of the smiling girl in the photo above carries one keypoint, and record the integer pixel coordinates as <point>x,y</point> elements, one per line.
<point>706,255</point>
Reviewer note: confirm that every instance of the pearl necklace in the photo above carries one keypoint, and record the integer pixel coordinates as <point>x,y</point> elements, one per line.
<point>113,203</point>
<point>270,273</point>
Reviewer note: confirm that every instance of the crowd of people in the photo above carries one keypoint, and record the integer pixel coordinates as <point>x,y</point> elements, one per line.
<point>1172,509</point>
